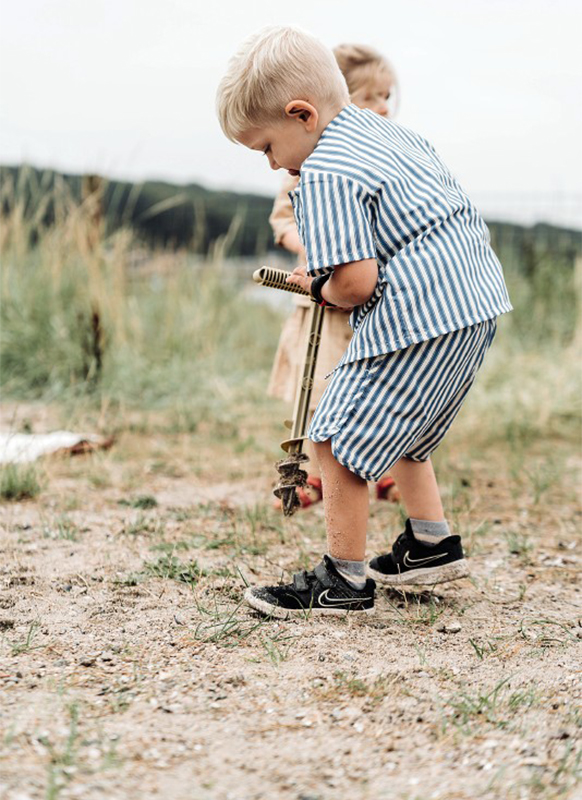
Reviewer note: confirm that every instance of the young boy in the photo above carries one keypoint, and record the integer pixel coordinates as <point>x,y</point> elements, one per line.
<point>388,231</point>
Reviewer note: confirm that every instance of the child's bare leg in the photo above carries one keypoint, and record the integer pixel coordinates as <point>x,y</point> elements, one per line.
<point>422,498</point>
<point>425,553</point>
<point>419,488</point>
<point>313,465</point>
<point>345,500</point>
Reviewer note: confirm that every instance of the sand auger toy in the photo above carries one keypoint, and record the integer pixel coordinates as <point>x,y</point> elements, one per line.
<point>292,476</point>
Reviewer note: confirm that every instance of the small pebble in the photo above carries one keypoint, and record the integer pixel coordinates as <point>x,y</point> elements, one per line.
<point>452,627</point>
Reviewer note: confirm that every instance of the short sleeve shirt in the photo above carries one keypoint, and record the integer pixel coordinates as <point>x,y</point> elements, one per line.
<point>374,189</point>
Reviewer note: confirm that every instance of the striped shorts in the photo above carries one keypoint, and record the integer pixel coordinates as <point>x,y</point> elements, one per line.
<point>377,410</point>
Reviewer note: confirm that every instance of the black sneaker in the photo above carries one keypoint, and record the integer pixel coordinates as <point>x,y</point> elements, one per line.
<point>412,563</point>
<point>322,591</point>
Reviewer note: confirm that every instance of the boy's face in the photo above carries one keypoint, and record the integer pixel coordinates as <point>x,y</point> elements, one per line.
<point>375,93</point>
<point>288,143</point>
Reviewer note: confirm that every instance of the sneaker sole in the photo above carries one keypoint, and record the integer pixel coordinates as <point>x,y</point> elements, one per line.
<point>269,610</point>
<point>426,576</point>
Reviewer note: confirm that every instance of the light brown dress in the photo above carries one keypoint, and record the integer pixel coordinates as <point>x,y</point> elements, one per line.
<point>290,354</point>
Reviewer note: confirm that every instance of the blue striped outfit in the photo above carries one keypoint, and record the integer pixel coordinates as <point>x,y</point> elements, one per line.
<point>374,189</point>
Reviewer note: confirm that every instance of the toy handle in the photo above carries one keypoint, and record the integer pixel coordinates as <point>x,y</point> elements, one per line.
<point>277,279</point>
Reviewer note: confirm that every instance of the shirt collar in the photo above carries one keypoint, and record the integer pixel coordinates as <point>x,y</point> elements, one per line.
<point>347,112</point>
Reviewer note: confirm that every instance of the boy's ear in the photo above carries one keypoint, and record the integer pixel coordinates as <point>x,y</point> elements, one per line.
<point>303,112</point>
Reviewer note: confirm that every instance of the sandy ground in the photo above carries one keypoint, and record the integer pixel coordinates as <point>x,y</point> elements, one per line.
<point>130,669</point>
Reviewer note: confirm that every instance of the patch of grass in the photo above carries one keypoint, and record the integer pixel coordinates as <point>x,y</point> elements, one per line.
<point>99,474</point>
<point>182,514</point>
<point>25,645</point>
<point>542,478</point>
<point>224,572</point>
<point>518,544</point>
<point>143,501</point>
<point>345,685</point>
<point>67,757</point>
<point>545,632</point>
<point>496,707</point>
<point>474,536</point>
<point>85,322</point>
<point>255,527</point>
<point>131,579</point>
<point>218,544</point>
<point>171,547</point>
<point>143,525</point>
<point>61,760</point>
<point>19,482</point>
<point>483,650</point>
<point>278,647</point>
<point>170,567</point>
<point>556,781</point>
<point>416,609</point>
<point>62,527</point>
<point>223,625</point>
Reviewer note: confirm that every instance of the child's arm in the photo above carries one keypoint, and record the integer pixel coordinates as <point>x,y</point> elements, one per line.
<point>282,219</point>
<point>290,241</point>
<point>350,285</point>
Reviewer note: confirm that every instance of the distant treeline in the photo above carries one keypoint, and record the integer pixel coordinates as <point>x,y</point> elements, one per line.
<point>190,216</point>
<point>162,214</point>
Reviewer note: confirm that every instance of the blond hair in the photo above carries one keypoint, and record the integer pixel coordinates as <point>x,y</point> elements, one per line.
<point>272,67</point>
<point>360,63</point>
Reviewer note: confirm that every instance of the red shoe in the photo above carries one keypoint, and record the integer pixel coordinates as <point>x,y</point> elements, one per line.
<point>308,495</point>
<point>386,489</point>
<point>314,493</point>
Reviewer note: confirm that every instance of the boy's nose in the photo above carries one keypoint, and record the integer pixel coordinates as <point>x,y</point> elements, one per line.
<point>272,163</point>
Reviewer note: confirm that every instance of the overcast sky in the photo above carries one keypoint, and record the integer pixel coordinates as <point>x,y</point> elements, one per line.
<point>126,88</point>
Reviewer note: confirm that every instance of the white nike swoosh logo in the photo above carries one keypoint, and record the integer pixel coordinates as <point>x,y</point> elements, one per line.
<point>335,600</point>
<point>410,562</point>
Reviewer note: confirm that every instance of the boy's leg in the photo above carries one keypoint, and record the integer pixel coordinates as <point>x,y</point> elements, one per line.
<point>425,553</point>
<point>419,489</point>
<point>422,499</point>
<point>337,585</point>
<point>345,501</point>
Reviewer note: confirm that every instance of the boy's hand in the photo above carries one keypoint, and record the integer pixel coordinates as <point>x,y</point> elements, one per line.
<point>300,278</point>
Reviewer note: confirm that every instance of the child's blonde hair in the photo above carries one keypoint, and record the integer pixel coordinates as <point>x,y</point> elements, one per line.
<point>360,63</point>
<point>273,66</point>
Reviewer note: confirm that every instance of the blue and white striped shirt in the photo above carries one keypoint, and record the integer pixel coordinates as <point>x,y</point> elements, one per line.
<point>374,189</point>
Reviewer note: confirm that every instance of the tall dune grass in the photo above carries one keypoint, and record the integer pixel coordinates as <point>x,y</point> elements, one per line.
<point>82,316</point>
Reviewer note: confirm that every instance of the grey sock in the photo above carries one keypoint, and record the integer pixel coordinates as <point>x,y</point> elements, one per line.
<point>428,532</point>
<point>354,572</point>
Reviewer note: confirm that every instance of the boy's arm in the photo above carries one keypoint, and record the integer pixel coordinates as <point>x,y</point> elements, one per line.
<point>351,284</point>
